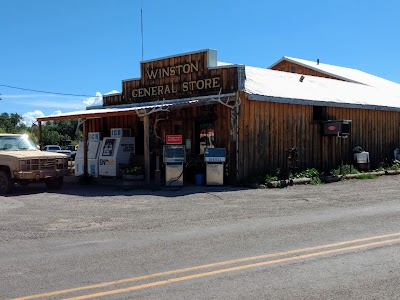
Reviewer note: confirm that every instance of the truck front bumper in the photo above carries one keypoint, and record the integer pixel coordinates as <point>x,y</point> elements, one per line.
<point>40,174</point>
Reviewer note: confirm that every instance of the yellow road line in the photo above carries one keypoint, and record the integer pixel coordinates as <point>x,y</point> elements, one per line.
<point>195,268</point>
<point>221,271</point>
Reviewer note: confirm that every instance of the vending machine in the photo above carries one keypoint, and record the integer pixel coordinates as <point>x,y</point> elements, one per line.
<point>215,159</point>
<point>174,157</point>
<point>115,151</point>
<point>93,142</point>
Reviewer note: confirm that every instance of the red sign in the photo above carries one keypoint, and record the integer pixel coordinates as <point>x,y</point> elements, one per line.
<point>174,139</point>
<point>331,127</point>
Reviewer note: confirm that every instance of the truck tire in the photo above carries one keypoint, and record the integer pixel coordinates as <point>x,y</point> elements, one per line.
<point>5,183</point>
<point>54,183</point>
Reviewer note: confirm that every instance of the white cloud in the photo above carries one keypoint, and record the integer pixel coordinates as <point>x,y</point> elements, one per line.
<point>30,117</point>
<point>57,112</point>
<point>98,99</point>
<point>112,92</point>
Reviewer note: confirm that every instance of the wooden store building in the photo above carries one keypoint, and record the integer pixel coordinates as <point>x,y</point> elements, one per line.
<point>259,116</point>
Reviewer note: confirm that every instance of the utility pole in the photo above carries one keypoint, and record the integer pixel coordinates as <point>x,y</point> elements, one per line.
<point>141,25</point>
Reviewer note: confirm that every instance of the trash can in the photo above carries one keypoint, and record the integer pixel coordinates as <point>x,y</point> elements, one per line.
<point>362,161</point>
<point>199,178</point>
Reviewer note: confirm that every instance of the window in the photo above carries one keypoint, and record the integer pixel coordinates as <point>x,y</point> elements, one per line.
<point>206,136</point>
<point>319,113</point>
<point>293,69</point>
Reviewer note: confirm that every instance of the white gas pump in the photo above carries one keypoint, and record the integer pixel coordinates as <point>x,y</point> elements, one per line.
<point>92,155</point>
<point>215,159</point>
<point>174,156</point>
<point>115,151</point>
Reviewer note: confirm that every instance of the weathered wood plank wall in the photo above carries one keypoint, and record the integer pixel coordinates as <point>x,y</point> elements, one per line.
<point>183,85</point>
<point>189,116</point>
<point>268,129</point>
<point>285,66</point>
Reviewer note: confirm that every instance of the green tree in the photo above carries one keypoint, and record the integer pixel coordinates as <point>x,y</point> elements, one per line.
<point>11,123</point>
<point>54,132</point>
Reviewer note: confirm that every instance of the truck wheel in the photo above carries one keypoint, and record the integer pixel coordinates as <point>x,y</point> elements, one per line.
<point>5,183</point>
<point>55,183</point>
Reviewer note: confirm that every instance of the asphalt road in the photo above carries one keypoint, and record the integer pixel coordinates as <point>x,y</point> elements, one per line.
<point>331,241</point>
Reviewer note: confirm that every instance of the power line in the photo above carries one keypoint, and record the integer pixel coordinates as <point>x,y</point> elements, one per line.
<point>45,92</point>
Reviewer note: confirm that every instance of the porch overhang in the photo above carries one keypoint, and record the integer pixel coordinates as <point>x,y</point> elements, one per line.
<point>139,108</point>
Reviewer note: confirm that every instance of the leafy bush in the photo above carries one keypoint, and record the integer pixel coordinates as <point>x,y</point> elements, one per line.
<point>394,166</point>
<point>345,170</point>
<point>134,171</point>
<point>308,173</point>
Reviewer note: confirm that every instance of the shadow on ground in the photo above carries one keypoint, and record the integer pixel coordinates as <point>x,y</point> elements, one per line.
<point>114,187</point>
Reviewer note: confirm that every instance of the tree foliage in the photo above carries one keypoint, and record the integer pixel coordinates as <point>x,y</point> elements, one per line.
<point>53,132</point>
<point>11,123</point>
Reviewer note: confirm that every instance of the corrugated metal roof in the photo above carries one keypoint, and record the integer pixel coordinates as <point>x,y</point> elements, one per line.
<point>131,108</point>
<point>347,74</point>
<point>271,85</point>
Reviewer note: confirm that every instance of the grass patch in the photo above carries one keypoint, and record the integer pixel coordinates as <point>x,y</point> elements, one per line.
<point>366,176</point>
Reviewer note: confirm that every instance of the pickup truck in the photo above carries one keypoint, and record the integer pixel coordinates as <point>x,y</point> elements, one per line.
<point>56,148</point>
<point>22,162</point>
<point>73,149</point>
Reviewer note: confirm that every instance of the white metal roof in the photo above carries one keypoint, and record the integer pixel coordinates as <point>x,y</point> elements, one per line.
<point>347,74</point>
<point>132,108</point>
<point>271,85</point>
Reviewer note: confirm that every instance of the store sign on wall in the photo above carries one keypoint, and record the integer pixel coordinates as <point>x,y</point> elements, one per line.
<point>178,77</point>
<point>174,88</point>
<point>173,139</point>
<point>331,128</point>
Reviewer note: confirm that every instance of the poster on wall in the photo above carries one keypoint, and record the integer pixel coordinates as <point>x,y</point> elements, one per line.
<point>108,148</point>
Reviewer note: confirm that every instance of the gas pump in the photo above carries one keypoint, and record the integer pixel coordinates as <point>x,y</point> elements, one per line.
<point>174,157</point>
<point>215,159</point>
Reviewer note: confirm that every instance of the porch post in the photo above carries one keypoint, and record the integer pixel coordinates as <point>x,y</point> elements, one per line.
<point>85,149</point>
<point>40,135</point>
<point>146,122</point>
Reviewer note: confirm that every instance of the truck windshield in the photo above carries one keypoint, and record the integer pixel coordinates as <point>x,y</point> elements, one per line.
<point>16,142</point>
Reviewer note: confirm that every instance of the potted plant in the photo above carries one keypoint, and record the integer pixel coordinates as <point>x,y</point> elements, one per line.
<point>134,173</point>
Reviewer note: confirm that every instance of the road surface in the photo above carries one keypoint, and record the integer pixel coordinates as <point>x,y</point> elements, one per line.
<point>330,241</point>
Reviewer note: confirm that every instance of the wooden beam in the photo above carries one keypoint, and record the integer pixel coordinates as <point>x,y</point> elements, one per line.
<point>85,149</point>
<point>40,135</point>
<point>146,126</point>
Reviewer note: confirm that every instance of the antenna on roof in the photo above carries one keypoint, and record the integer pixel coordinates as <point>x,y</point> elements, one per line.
<point>141,25</point>
<point>317,61</point>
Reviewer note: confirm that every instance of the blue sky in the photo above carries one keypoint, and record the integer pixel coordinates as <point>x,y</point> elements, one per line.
<point>87,47</point>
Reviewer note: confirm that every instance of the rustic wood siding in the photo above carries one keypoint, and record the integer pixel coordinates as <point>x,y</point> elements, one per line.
<point>105,124</point>
<point>188,116</point>
<point>227,80</point>
<point>268,129</point>
<point>285,66</point>
<point>112,99</point>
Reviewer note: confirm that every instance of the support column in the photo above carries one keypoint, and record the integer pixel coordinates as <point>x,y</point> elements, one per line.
<point>146,126</point>
<point>40,135</point>
<point>85,149</point>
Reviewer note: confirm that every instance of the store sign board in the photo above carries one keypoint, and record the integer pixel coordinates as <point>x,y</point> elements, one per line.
<point>173,139</point>
<point>179,77</point>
